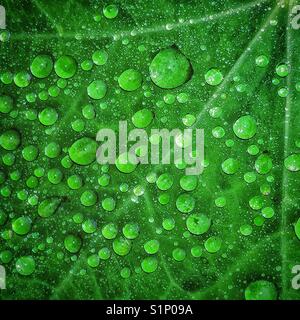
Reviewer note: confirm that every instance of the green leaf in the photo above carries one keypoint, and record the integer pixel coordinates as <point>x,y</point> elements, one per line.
<point>240,82</point>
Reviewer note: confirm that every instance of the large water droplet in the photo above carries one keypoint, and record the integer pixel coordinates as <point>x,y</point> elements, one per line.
<point>83,151</point>
<point>245,127</point>
<point>170,69</point>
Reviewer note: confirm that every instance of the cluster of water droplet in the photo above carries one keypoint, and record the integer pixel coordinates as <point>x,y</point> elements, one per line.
<point>169,69</point>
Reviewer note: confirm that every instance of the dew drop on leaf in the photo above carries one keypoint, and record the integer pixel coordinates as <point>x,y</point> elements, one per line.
<point>22,79</point>
<point>213,77</point>
<point>22,225</point>
<point>213,244</point>
<point>10,140</point>
<point>142,118</point>
<point>65,67</point>
<point>263,164</point>
<point>282,70</point>
<point>110,11</point>
<point>130,80</point>
<point>196,251</point>
<point>109,231</point>
<point>292,162</point>
<point>25,265</point>
<point>48,207</point>
<point>125,163</point>
<point>151,246</point>
<point>245,127</point>
<point>88,198</point>
<point>97,89</point>
<point>179,254</point>
<point>83,151</point>
<point>48,116</point>
<point>185,203</point>
<point>170,69</point>
<point>262,61</point>
<point>100,57</point>
<point>164,181</point>
<point>93,261</point>
<point>30,153</point>
<point>198,223</point>
<point>41,66</point>
<point>131,231</point>
<point>72,243</point>
<point>149,264</point>
<point>230,166</point>
<point>261,290</point>
<point>6,104</point>
<point>121,246</point>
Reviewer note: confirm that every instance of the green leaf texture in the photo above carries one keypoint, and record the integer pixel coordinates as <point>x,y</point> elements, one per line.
<point>252,212</point>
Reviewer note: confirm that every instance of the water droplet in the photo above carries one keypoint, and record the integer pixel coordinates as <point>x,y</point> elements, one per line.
<point>89,226</point>
<point>189,183</point>
<point>220,202</point>
<point>100,57</point>
<point>109,231</point>
<point>83,151</point>
<point>250,177</point>
<point>93,261</point>
<point>25,265</point>
<point>104,253</point>
<point>218,132</point>
<point>97,89</point>
<point>262,61</point>
<point>22,79</point>
<point>125,163</point>
<point>179,254</point>
<point>10,140</point>
<point>48,207</point>
<point>246,229</point>
<point>164,181</point>
<point>185,203</point>
<point>149,264</point>
<point>88,198</point>
<point>121,246</point>
<point>52,150</point>
<point>48,116</point>
<point>282,70</point>
<point>170,69</point>
<point>188,120</point>
<point>65,67</point>
<point>22,225</point>
<point>131,231</point>
<point>130,80</point>
<point>263,164</point>
<point>72,243</point>
<point>213,77</point>
<point>6,104</point>
<point>245,127</point>
<point>261,290</point>
<point>151,246</point>
<point>142,118</point>
<point>108,204</point>
<point>230,166</point>
<point>213,244</point>
<point>198,223</point>
<point>30,153</point>
<point>256,203</point>
<point>268,212</point>
<point>110,11</point>
<point>292,162</point>
<point>41,66</point>
<point>168,224</point>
